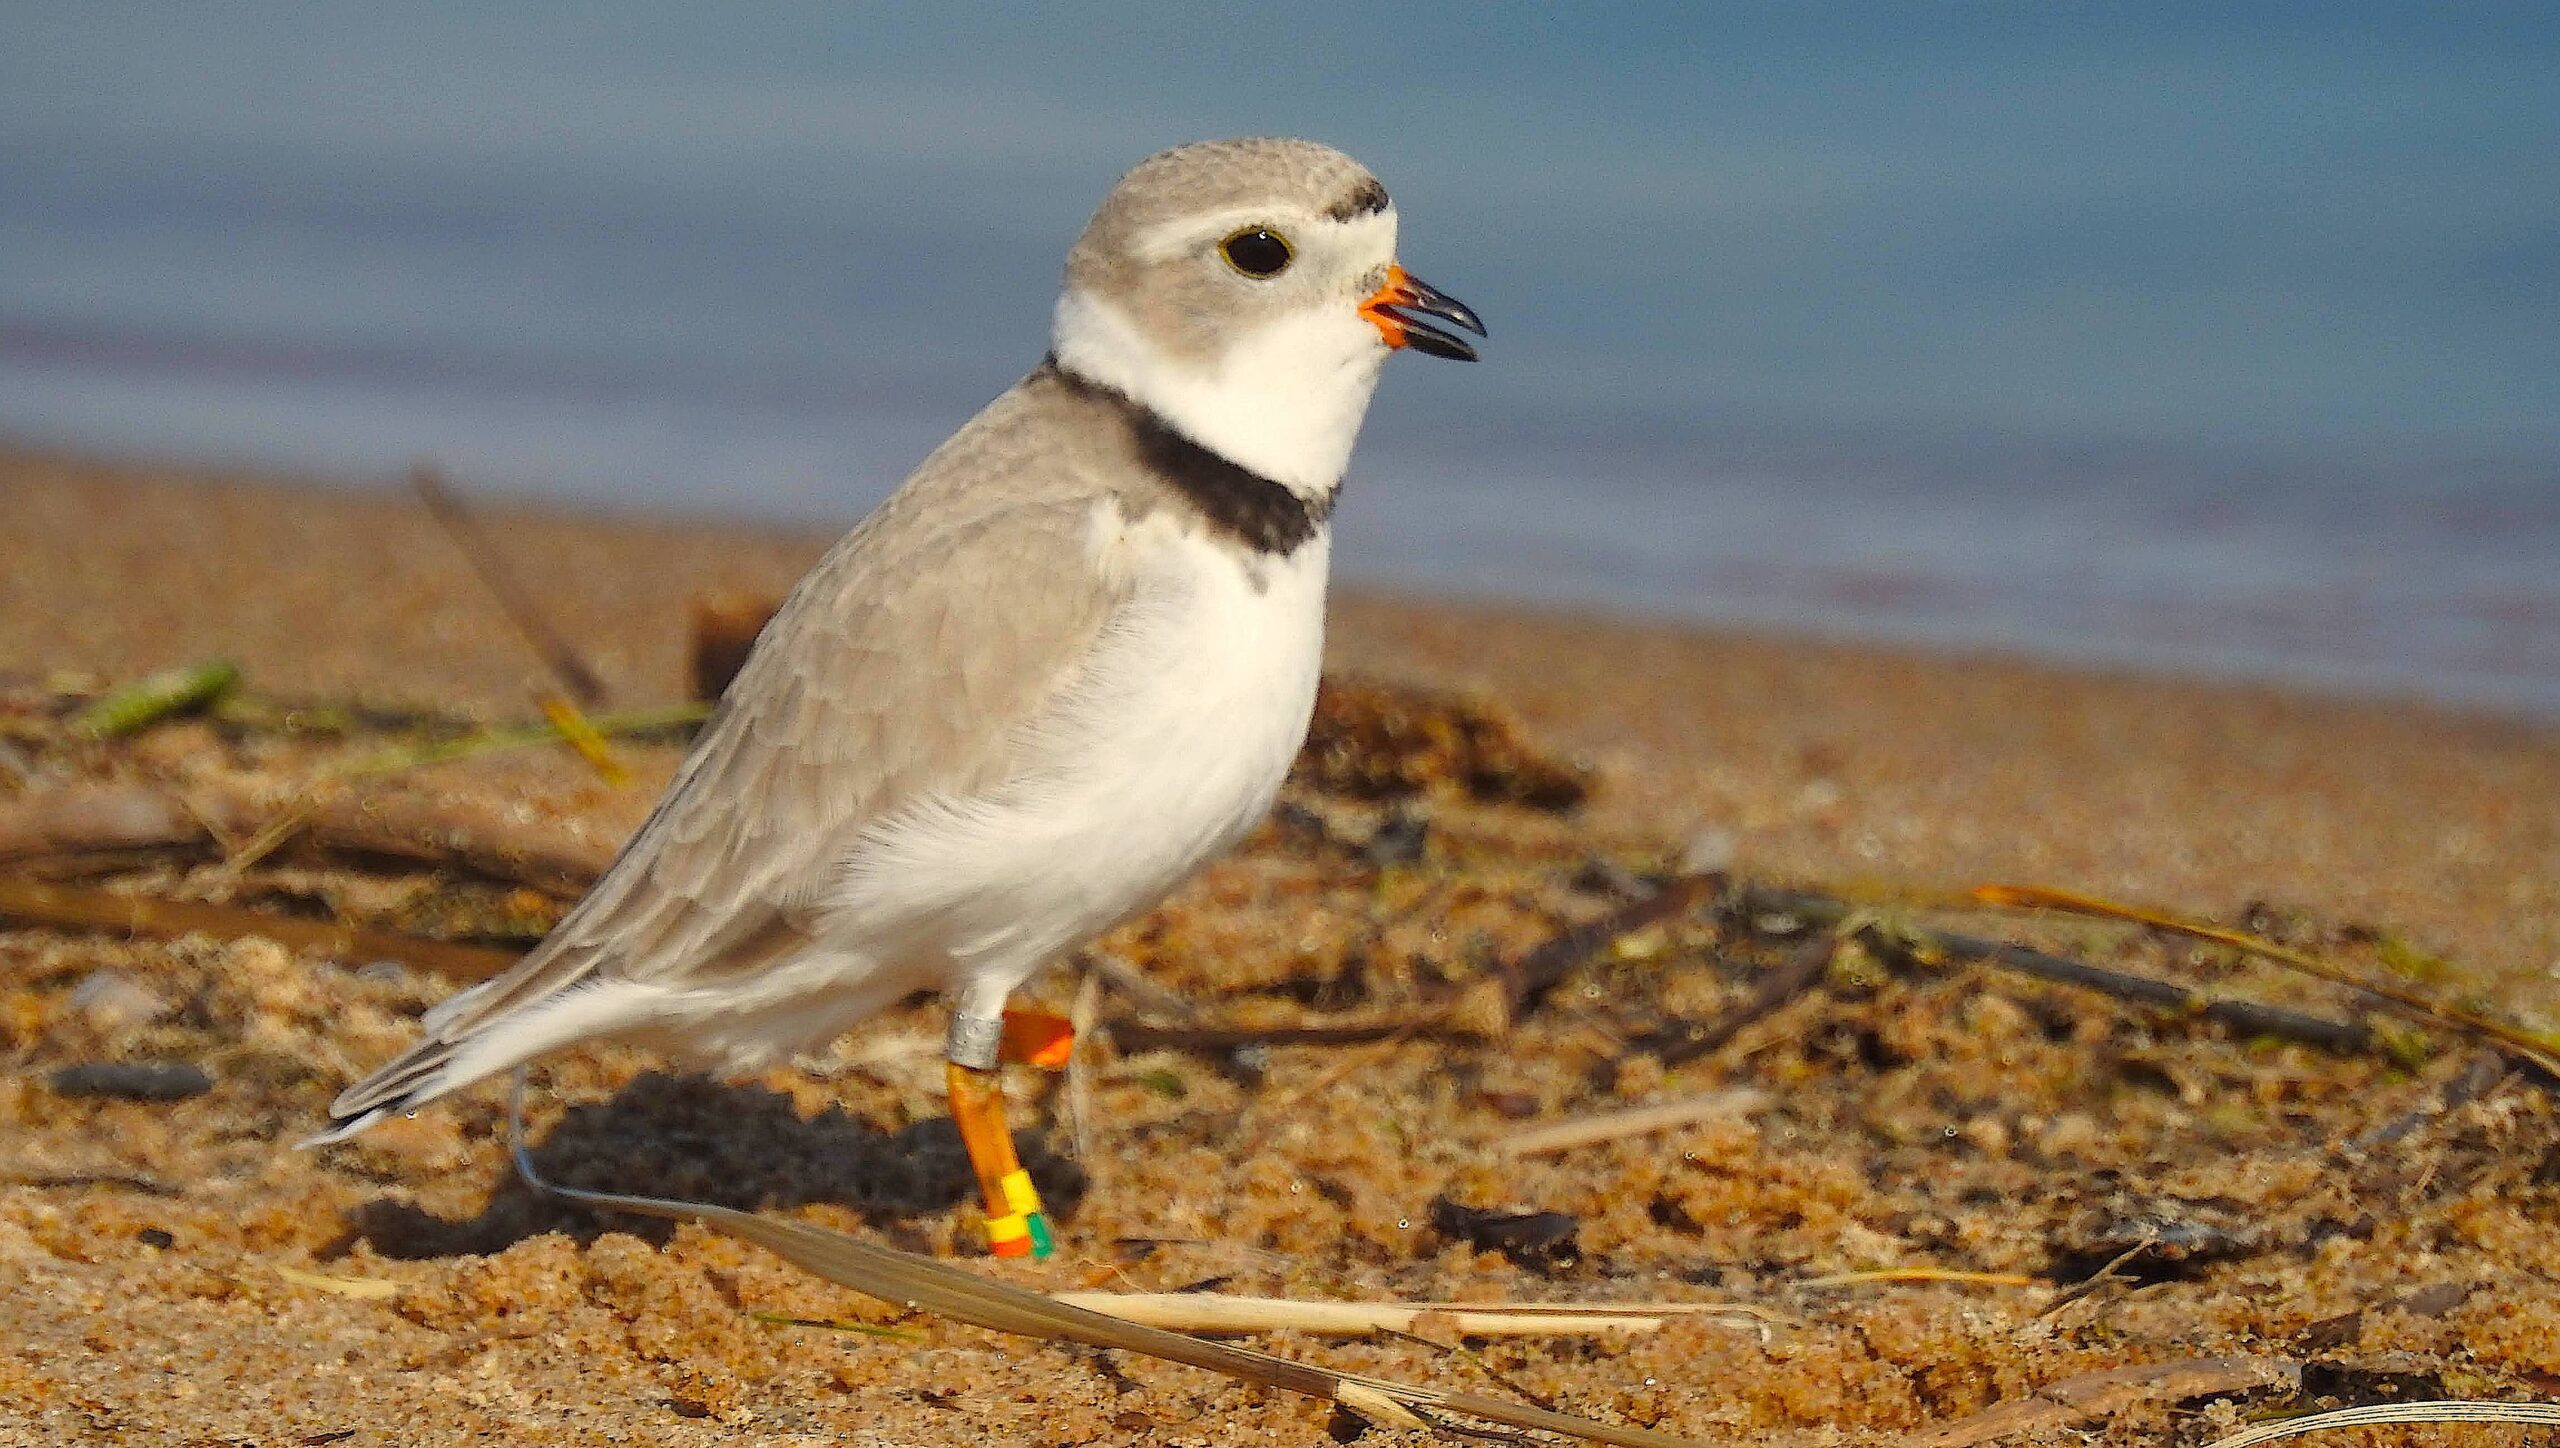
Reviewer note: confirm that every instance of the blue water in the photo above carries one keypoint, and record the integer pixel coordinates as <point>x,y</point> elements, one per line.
<point>2215,343</point>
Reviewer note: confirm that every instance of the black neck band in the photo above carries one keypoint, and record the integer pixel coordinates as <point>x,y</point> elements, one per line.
<point>1262,514</point>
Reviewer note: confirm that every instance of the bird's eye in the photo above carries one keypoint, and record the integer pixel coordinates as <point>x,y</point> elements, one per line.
<point>1257,252</point>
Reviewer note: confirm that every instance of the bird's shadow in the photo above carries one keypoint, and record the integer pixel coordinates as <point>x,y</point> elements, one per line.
<point>697,1139</point>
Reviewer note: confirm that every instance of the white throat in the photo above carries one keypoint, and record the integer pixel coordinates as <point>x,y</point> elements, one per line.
<point>1285,400</point>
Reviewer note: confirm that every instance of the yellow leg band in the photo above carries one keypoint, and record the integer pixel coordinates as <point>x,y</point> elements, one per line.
<point>1020,1194</point>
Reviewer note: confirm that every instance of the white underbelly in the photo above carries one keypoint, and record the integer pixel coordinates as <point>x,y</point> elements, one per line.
<point>1166,751</point>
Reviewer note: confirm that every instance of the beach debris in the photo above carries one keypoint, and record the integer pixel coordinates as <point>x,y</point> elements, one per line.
<point>1527,979</point>
<point>927,1285</point>
<point>1372,740</point>
<point>2089,1397</point>
<point>2433,1300</point>
<point>2487,1071</point>
<point>147,701</point>
<point>131,1080</point>
<point>75,908</point>
<point>1539,1241</point>
<point>2173,1235</point>
<point>2533,1049</point>
<point>2248,1018</point>
<point>1399,840</point>
<point>2395,1378</point>
<point>483,835</point>
<point>1676,1043</point>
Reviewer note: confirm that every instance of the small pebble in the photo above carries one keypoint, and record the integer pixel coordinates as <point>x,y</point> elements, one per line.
<point>1400,840</point>
<point>111,1002</point>
<point>1710,850</point>
<point>132,1080</point>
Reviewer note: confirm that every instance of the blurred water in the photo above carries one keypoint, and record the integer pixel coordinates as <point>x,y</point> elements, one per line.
<point>2401,577</point>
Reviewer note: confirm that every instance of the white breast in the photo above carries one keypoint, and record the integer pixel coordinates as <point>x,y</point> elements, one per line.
<point>1169,746</point>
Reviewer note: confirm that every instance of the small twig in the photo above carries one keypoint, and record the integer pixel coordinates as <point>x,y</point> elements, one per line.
<point>65,906</point>
<point>518,605</point>
<point>1689,1040</point>
<point>1527,979</point>
<point>1475,1360</point>
<point>2097,1279</point>
<point>2247,1017</point>
<point>1126,979</point>
<point>1633,1121</point>
<point>2515,1040</point>
<point>482,835</point>
<point>923,1284</point>
<point>2476,1080</point>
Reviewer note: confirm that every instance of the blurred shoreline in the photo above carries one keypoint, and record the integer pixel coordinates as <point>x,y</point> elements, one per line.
<point>2396,583</point>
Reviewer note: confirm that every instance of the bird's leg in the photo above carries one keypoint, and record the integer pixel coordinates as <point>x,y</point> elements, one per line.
<point>1016,1225</point>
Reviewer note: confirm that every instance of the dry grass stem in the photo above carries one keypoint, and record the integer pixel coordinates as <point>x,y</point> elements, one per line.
<point>2449,1410</point>
<point>1634,1121</point>
<point>582,735</point>
<point>482,835</point>
<point>1216,1313</point>
<point>147,701</point>
<point>2091,1396</point>
<point>556,652</point>
<point>1923,1274</point>
<point>926,1285</point>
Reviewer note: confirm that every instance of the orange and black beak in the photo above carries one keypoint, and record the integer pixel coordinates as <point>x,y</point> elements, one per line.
<point>1405,293</point>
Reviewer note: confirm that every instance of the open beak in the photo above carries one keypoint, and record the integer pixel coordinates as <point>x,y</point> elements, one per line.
<point>1387,309</point>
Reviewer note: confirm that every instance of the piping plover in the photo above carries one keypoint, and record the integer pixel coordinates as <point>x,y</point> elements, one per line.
<point>1063,667</point>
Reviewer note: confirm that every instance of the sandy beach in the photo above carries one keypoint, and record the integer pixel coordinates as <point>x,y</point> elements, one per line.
<point>173,1272</point>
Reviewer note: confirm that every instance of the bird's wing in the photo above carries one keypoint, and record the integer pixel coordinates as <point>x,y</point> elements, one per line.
<point>899,669</point>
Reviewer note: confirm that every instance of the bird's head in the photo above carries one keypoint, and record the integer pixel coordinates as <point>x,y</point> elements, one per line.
<point>1248,291</point>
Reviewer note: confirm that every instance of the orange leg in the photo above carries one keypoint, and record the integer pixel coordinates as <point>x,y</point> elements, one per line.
<point>1016,1225</point>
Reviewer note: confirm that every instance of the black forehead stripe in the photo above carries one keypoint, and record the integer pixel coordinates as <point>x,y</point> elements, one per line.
<point>1231,498</point>
<point>1366,199</point>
